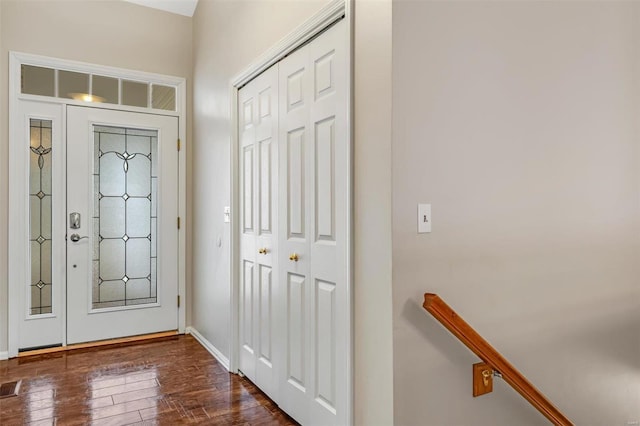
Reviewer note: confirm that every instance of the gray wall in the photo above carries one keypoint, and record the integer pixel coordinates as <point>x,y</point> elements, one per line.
<point>111,33</point>
<point>228,36</point>
<point>372,213</point>
<point>4,195</point>
<point>518,121</point>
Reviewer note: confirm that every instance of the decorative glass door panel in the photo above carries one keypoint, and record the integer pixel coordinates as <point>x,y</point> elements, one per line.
<point>40,212</point>
<point>124,217</point>
<point>37,231</point>
<point>122,251</point>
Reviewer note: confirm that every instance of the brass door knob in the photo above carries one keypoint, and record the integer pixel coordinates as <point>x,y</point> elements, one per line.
<point>293,257</point>
<point>263,250</point>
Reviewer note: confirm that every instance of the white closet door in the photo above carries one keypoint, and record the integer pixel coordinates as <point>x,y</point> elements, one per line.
<point>295,142</point>
<point>258,125</point>
<point>314,152</point>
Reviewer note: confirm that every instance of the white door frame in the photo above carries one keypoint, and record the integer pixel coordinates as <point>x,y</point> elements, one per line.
<point>16,59</point>
<point>319,22</point>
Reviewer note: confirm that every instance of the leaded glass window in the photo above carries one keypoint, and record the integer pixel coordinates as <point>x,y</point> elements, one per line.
<point>125,217</point>
<point>40,216</point>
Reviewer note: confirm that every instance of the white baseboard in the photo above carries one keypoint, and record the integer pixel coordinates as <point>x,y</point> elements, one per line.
<point>209,347</point>
<point>4,355</point>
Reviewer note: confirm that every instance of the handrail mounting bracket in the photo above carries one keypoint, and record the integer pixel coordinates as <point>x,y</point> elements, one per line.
<point>482,379</point>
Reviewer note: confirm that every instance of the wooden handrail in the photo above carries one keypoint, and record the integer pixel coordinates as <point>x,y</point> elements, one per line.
<point>479,346</point>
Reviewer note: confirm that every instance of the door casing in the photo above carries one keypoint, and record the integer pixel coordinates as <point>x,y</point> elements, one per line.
<point>16,60</point>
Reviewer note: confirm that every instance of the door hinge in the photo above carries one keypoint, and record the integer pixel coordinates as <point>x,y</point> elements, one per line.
<point>179,145</point>
<point>178,222</point>
<point>178,301</point>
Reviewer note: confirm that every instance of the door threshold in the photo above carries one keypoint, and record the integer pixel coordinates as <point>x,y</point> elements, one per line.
<point>108,342</point>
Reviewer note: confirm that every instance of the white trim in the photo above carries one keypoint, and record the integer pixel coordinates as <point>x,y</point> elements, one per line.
<point>322,20</point>
<point>4,356</point>
<point>117,107</point>
<point>13,316</point>
<point>305,32</point>
<point>209,347</point>
<point>16,59</point>
<point>181,107</point>
<point>349,18</point>
<point>234,243</point>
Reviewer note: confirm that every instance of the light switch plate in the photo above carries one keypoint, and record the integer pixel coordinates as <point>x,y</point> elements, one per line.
<point>424,218</point>
<point>227,214</point>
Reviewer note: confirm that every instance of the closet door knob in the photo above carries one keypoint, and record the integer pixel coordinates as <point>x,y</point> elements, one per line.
<point>263,250</point>
<point>293,257</point>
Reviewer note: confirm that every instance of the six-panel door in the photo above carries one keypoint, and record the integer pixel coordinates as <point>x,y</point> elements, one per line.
<point>258,126</point>
<point>314,152</point>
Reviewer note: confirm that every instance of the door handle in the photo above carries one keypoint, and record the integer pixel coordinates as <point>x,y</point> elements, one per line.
<point>293,257</point>
<point>75,237</point>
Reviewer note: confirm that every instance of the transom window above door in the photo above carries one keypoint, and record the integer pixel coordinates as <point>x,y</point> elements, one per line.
<point>89,87</point>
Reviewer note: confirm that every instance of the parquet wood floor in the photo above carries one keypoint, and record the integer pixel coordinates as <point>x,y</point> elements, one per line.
<point>169,381</point>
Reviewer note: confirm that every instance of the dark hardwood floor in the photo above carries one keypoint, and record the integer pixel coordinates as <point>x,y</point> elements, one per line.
<point>168,381</point>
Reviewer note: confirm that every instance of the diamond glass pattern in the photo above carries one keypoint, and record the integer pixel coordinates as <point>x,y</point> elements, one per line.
<point>124,264</point>
<point>40,215</point>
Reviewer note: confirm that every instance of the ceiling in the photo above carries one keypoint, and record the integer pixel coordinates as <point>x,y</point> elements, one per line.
<point>180,7</point>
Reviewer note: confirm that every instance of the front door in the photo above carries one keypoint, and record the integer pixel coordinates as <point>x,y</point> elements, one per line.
<point>122,237</point>
<point>93,236</point>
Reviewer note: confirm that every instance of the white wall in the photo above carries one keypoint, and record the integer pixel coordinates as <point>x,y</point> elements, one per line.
<point>228,36</point>
<point>518,121</point>
<point>101,32</point>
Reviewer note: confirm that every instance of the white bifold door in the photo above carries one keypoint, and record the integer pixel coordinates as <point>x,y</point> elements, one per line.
<point>258,121</point>
<point>303,324</point>
<point>313,222</point>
